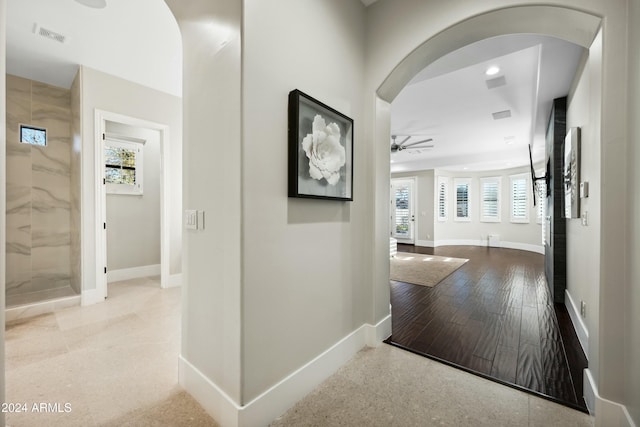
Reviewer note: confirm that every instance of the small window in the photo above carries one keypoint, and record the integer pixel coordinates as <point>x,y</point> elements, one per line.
<point>520,198</point>
<point>123,165</point>
<point>462,189</point>
<point>33,135</point>
<point>490,191</point>
<point>443,184</point>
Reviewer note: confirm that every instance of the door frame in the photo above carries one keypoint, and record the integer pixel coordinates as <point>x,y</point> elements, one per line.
<point>414,208</point>
<point>101,117</point>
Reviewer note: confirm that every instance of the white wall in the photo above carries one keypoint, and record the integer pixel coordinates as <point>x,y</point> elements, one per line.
<point>395,53</point>
<point>109,93</point>
<point>133,222</point>
<point>304,261</point>
<point>583,111</point>
<point>632,291</point>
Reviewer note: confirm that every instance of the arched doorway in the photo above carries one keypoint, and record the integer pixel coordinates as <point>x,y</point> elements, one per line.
<point>547,20</point>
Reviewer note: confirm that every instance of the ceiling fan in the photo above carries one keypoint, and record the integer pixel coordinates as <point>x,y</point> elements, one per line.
<point>406,145</point>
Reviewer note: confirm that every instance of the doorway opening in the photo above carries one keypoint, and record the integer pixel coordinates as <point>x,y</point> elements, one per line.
<point>482,247</point>
<point>130,151</point>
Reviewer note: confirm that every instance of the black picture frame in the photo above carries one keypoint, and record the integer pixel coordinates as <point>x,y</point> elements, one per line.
<point>316,170</point>
<point>571,172</point>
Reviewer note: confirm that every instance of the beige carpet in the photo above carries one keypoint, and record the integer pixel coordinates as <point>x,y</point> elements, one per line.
<point>425,270</point>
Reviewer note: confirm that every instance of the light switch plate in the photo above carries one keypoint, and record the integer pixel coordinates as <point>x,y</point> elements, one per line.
<point>584,189</point>
<point>191,219</point>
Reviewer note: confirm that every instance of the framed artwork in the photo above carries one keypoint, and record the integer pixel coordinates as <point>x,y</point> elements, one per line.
<point>571,172</point>
<point>320,150</point>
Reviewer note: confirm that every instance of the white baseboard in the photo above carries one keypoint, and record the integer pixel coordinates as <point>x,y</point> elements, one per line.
<point>607,412</point>
<point>578,324</point>
<point>133,273</point>
<point>523,247</point>
<point>175,280</point>
<point>212,398</point>
<point>276,400</point>
<point>483,242</point>
<point>374,335</point>
<point>589,391</point>
<point>91,296</point>
<point>425,243</point>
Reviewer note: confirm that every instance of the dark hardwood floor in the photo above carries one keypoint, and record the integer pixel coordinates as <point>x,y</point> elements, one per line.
<point>494,317</point>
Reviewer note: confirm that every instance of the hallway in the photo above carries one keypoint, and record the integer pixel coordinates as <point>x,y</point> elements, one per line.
<point>493,316</point>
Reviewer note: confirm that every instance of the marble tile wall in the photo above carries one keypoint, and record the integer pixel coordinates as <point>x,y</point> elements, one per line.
<point>38,188</point>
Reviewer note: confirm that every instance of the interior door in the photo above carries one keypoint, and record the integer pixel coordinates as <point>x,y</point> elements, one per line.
<point>403,210</point>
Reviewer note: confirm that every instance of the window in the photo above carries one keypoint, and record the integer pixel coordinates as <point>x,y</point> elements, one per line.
<point>490,203</point>
<point>462,188</point>
<point>123,164</point>
<point>443,184</point>
<point>33,135</point>
<point>519,198</point>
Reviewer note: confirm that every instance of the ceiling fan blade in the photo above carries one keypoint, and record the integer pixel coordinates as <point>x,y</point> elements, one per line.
<point>416,142</point>
<point>405,140</point>
<point>413,147</point>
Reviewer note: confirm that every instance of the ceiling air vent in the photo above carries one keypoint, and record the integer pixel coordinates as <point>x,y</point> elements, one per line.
<point>502,115</point>
<point>52,35</point>
<point>497,82</point>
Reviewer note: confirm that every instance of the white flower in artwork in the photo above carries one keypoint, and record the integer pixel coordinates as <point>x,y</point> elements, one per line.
<point>326,155</point>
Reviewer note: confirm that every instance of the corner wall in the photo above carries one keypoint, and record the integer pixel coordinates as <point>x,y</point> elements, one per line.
<point>632,294</point>
<point>210,359</point>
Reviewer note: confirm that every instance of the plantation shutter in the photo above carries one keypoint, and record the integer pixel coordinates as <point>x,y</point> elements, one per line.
<point>442,200</point>
<point>462,200</point>
<point>490,199</point>
<point>519,200</point>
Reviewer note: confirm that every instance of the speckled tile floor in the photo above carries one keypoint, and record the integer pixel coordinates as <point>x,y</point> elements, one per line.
<point>115,364</point>
<point>387,386</point>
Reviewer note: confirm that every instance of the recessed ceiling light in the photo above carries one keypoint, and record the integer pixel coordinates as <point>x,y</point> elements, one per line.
<point>491,71</point>
<point>509,140</point>
<point>465,168</point>
<point>96,4</point>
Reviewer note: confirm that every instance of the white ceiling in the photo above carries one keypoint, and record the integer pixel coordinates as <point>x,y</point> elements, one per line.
<point>450,102</point>
<point>138,40</point>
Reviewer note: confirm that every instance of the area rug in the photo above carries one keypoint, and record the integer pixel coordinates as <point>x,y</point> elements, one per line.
<point>425,270</point>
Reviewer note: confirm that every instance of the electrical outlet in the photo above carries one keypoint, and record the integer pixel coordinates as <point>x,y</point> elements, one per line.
<point>583,309</point>
<point>585,218</point>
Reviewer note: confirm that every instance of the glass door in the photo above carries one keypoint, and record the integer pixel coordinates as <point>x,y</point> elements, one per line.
<point>402,210</point>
